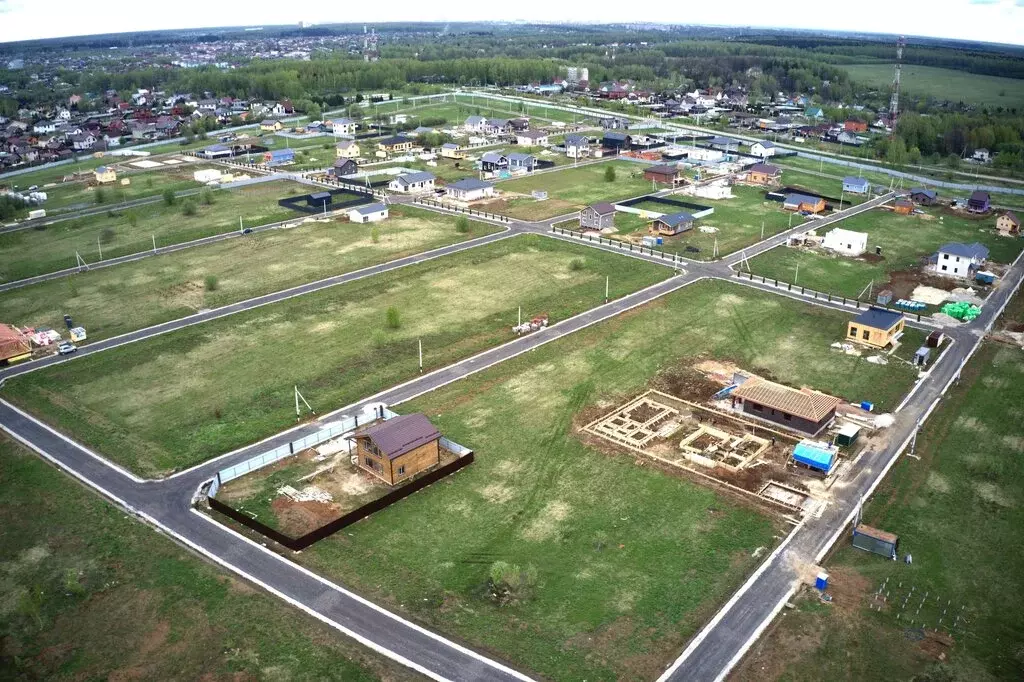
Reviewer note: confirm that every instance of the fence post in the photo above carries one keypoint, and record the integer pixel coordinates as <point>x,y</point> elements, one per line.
<point>291,447</point>
<point>830,298</point>
<point>790,288</point>
<point>803,290</point>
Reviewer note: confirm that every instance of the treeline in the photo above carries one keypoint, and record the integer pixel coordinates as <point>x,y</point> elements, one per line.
<point>952,137</point>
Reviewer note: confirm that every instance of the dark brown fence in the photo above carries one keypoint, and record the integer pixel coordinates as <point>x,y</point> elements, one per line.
<point>300,543</point>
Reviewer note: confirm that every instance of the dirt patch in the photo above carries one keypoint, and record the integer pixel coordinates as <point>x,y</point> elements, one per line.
<point>548,521</point>
<point>298,518</point>
<point>687,383</point>
<point>903,282</point>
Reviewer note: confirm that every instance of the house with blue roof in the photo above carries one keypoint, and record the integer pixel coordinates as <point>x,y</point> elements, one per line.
<point>876,327</point>
<point>521,162</point>
<point>469,189</point>
<point>805,203</point>
<point>672,224</point>
<point>763,148</point>
<point>960,260</point>
<point>814,113</point>
<point>925,197</point>
<point>855,185</point>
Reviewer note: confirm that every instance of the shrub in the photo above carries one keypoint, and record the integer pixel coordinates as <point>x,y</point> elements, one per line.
<point>375,235</point>
<point>462,224</point>
<point>394,319</point>
<point>169,197</point>
<point>211,282</point>
<point>100,195</point>
<point>577,264</point>
<point>107,235</point>
<point>188,208</point>
<point>206,196</point>
<point>133,218</point>
<point>609,174</point>
<point>511,583</point>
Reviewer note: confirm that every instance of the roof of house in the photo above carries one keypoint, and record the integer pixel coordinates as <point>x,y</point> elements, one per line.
<point>267,122</point>
<point>368,209</point>
<point>450,145</point>
<point>676,219</point>
<point>930,193</point>
<point>979,195</point>
<point>879,318</point>
<point>854,180</point>
<point>662,169</point>
<point>101,169</point>
<point>493,157</point>
<point>971,251</point>
<point>474,120</point>
<point>765,144</point>
<point>343,122</point>
<point>396,436</point>
<point>532,134</point>
<point>469,184</point>
<point>418,176</point>
<point>602,208</point>
<point>1012,216</point>
<point>575,140</point>
<point>804,403</point>
<point>338,163</point>
<point>520,157</point>
<point>345,144</point>
<point>797,198</point>
<point>397,139</point>
<point>621,137</point>
<point>422,130</point>
<point>766,168</point>
<point>845,235</point>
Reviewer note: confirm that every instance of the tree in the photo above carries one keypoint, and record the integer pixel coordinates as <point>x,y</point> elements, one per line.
<point>314,111</point>
<point>188,208</point>
<point>169,197</point>
<point>609,173</point>
<point>953,161</point>
<point>206,196</point>
<point>393,318</point>
<point>462,224</point>
<point>100,195</point>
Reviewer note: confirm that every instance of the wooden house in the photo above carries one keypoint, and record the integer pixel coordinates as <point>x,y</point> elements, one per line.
<point>662,173</point>
<point>672,224</point>
<point>598,216</point>
<point>925,197</point>
<point>346,149</point>
<point>764,174</point>
<point>803,203</point>
<point>1008,224</point>
<point>270,126</point>
<point>876,327</point>
<point>394,145</point>
<point>398,448</point>
<point>803,410</point>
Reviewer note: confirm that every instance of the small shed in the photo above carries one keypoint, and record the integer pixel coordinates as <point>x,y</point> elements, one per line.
<point>876,541</point>
<point>921,356</point>
<point>903,206</point>
<point>319,199</point>
<point>847,435</point>
<point>876,327</point>
<point>935,339</point>
<point>816,455</point>
<point>884,297</point>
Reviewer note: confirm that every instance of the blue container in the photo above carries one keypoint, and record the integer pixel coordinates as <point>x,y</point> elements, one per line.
<point>821,582</point>
<point>660,241</point>
<point>867,407</point>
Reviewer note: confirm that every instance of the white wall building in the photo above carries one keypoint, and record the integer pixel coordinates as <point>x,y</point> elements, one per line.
<point>845,242</point>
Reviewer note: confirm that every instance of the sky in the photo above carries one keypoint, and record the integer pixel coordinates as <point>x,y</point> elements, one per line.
<point>999,21</point>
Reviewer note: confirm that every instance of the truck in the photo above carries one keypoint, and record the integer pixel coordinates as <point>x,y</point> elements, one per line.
<point>37,213</point>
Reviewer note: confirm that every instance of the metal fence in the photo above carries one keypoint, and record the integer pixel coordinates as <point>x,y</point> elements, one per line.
<point>458,209</point>
<point>628,247</point>
<point>269,457</point>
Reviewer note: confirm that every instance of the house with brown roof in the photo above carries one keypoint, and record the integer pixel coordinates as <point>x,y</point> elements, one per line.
<point>764,174</point>
<point>803,410</point>
<point>397,449</point>
<point>1008,224</point>
<point>599,216</point>
<point>662,173</point>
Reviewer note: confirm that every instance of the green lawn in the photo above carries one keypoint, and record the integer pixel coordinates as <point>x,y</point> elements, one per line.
<point>151,183</point>
<point>831,187</point>
<point>738,222</point>
<point>630,561</point>
<point>25,253</point>
<point>570,189</point>
<point>181,398</point>
<point>905,241</point>
<point>112,301</point>
<point>958,511</point>
<point>91,594</point>
<point>944,84</point>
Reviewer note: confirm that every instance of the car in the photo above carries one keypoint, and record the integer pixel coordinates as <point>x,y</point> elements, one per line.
<point>247,230</point>
<point>66,348</point>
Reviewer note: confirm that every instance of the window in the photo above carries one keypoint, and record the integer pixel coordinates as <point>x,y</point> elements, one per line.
<point>787,417</point>
<point>943,268</point>
<point>401,470</point>
<point>945,256</point>
<point>369,462</point>
<point>958,259</point>
<point>853,331</point>
<point>866,334</point>
<point>756,407</point>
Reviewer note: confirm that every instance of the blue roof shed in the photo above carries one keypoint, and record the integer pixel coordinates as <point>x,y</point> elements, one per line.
<point>879,318</point>
<point>818,456</point>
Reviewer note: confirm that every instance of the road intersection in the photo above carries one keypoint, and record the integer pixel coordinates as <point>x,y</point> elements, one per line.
<point>167,503</point>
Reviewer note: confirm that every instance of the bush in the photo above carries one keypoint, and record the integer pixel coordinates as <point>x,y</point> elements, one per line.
<point>511,583</point>
<point>107,235</point>
<point>211,282</point>
<point>462,224</point>
<point>188,208</point>
<point>133,218</point>
<point>375,235</point>
<point>169,198</point>
<point>394,320</point>
<point>100,195</point>
<point>609,174</point>
<point>206,196</point>
<point>577,264</point>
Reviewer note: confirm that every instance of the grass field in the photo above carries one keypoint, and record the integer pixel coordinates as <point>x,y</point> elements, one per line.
<point>36,251</point>
<point>944,84</point>
<point>90,593</point>
<point>630,561</point>
<point>905,241</point>
<point>738,221</point>
<point>958,511</point>
<point>828,187</point>
<point>79,195</point>
<point>181,398</point>
<point>570,190</point>
<point>112,301</point>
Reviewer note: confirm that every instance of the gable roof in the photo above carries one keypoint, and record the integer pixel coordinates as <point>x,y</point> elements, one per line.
<point>879,318</point>
<point>676,219</point>
<point>662,169</point>
<point>469,184</point>
<point>575,141</point>
<point>474,120</point>
<point>765,168</point>
<point>345,144</point>
<point>418,176</point>
<point>972,251</point>
<point>1013,217</point>
<point>339,163</point>
<point>520,157</point>
<point>979,195</point>
<point>396,139</point>
<point>450,145</point>
<point>930,193</point>
<point>804,403</point>
<point>620,137</point>
<point>368,209</point>
<point>532,134</point>
<point>602,208</point>
<point>493,157</point>
<point>765,144</point>
<point>398,435</point>
<point>797,198</point>
<point>854,180</point>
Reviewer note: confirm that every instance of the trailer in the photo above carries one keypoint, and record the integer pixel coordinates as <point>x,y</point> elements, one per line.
<point>876,541</point>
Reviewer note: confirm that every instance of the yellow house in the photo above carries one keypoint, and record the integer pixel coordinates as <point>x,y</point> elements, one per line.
<point>450,150</point>
<point>1008,224</point>
<point>346,149</point>
<point>104,174</point>
<point>876,327</point>
<point>270,126</point>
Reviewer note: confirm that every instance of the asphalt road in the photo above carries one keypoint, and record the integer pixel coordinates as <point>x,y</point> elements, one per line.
<point>166,503</point>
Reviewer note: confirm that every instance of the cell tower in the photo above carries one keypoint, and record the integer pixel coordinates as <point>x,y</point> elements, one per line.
<point>894,101</point>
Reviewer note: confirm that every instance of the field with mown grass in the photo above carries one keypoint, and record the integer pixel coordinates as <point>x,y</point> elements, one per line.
<point>905,241</point>
<point>176,400</point>
<point>91,593</point>
<point>152,183</point>
<point>570,189</point>
<point>119,232</point>
<point>957,508</point>
<point>119,299</point>
<point>943,84</point>
<point>629,561</point>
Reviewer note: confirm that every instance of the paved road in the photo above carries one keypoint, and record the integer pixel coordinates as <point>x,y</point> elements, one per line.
<point>166,503</point>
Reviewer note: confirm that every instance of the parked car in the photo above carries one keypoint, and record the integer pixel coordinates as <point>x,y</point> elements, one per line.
<point>66,348</point>
<point>247,230</point>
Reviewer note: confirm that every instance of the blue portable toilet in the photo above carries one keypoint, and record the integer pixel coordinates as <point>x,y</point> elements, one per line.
<point>821,582</point>
<point>867,407</point>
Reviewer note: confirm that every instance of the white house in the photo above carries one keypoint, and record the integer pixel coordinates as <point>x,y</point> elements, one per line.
<point>960,260</point>
<point>44,127</point>
<point>344,126</point>
<point>469,189</point>
<point>532,138</point>
<point>981,156</point>
<point>369,213</point>
<point>408,183</point>
<point>475,124</point>
<point>576,146</point>
<point>63,114</point>
<point>845,242</point>
<point>764,149</point>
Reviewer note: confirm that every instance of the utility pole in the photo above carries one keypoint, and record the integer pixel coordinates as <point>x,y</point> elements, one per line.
<point>240,228</point>
<point>607,279</point>
<point>154,243</point>
<point>420,343</point>
<point>100,247</point>
<point>762,230</point>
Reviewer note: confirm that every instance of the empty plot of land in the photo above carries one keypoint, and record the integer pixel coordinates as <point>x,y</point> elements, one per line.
<point>943,84</point>
<point>25,253</point>
<point>78,195</point>
<point>112,301</point>
<point>629,560</point>
<point>906,241</point>
<point>179,399</point>
<point>569,190</point>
